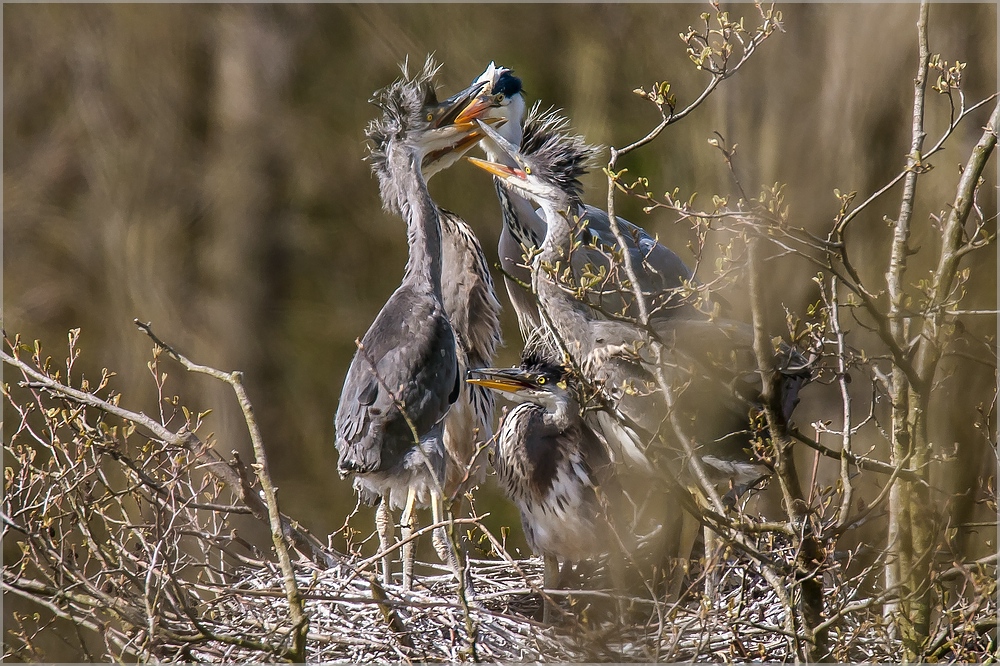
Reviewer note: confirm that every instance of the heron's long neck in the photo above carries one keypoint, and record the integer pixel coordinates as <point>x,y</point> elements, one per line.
<point>519,217</point>
<point>423,226</point>
<point>570,317</point>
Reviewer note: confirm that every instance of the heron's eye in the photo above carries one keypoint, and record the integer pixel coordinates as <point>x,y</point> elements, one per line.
<point>527,171</point>
<point>430,117</point>
<point>499,98</point>
<point>541,381</point>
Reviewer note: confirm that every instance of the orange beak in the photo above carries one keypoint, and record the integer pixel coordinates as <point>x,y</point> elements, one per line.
<point>477,107</point>
<point>497,383</point>
<point>501,170</point>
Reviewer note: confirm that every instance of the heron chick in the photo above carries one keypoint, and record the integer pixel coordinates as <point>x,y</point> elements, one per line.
<point>711,399</point>
<point>550,464</point>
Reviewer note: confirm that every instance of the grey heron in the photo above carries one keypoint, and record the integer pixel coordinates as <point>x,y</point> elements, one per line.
<point>550,464</point>
<point>709,364</point>
<point>391,429</point>
<point>663,276</point>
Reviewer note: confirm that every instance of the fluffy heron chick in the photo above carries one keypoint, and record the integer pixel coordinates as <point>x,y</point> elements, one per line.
<point>551,464</point>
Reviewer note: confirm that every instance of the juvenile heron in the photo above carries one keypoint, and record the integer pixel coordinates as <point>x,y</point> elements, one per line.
<point>551,464</point>
<point>709,365</point>
<point>405,376</point>
<point>662,275</point>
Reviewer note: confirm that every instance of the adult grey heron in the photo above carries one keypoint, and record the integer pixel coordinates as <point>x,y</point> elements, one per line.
<point>709,364</point>
<point>663,276</point>
<point>551,464</point>
<point>391,425</point>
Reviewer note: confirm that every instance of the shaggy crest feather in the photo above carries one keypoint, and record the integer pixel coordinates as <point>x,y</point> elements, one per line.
<point>538,365</point>
<point>401,103</point>
<point>561,158</point>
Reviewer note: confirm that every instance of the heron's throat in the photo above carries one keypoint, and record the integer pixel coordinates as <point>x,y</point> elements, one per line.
<point>562,415</point>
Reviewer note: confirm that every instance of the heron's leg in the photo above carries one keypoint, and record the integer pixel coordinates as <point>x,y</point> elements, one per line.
<point>688,535</point>
<point>550,580</point>
<point>566,575</point>
<point>407,523</point>
<point>446,551</point>
<point>386,533</point>
<point>712,544</point>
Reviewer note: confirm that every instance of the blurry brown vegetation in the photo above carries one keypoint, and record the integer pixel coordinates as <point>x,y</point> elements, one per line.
<point>201,167</point>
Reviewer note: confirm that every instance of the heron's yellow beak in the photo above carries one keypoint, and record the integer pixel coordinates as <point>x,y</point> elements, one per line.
<point>452,110</point>
<point>476,108</point>
<point>500,170</point>
<point>497,379</point>
<point>496,384</point>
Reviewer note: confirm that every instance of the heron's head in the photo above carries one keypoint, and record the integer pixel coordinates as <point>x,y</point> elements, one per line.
<point>536,380</point>
<point>501,97</point>
<point>413,116</point>
<point>548,165</point>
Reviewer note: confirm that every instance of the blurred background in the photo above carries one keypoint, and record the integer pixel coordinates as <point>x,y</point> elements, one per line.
<point>201,167</point>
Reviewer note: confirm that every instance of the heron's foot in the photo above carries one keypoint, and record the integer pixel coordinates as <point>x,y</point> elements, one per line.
<point>459,569</point>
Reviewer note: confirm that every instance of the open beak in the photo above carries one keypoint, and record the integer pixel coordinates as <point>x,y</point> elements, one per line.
<point>469,136</point>
<point>494,136</point>
<point>496,379</point>
<point>476,108</point>
<point>455,109</point>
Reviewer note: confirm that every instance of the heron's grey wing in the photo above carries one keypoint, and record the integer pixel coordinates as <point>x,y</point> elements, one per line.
<point>408,354</point>
<point>467,290</point>
<point>517,279</point>
<point>470,300</point>
<point>415,355</point>
<point>661,273</point>
<point>663,266</point>
<point>353,420</point>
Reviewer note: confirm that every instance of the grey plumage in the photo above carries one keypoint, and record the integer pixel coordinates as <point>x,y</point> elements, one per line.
<point>662,275</point>
<point>548,461</point>
<point>472,307</point>
<point>709,363</point>
<point>468,293</point>
<point>550,464</point>
<point>407,362</point>
<point>395,432</point>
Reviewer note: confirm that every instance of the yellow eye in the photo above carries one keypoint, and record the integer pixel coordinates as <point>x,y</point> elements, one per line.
<point>499,98</point>
<point>541,381</point>
<point>430,117</point>
<point>527,171</point>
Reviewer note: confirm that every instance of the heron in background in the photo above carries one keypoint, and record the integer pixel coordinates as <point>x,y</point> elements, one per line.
<point>404,378</point>
<point>551,464</point>
<point>709,365</point>
<point>662,275</point>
